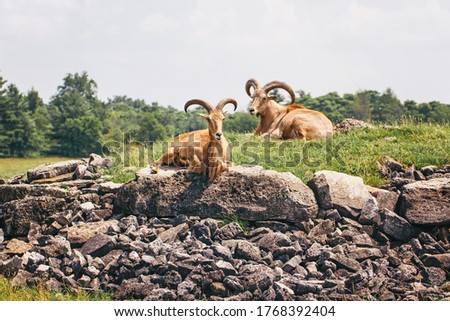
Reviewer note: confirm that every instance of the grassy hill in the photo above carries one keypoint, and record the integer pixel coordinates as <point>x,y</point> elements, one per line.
<point>355,152</point>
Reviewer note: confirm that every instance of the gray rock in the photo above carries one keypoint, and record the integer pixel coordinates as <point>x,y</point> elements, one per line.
<point>272,241</point>
<point>170,235</point>
<point>361,254</point>
<point>249,192</point>
<point>370,213</point>
<point>247,251</point>
<point>256,277</point>
<point>87,207</point>
<point>2,236</point>
<point>283,292</point>
<point>11,266</point>
<point>341,261</point>
<point>434,275</point>
<point>363,240</point>
<point>290,265</point>
<point>18,214</point>
<point>438,260</point>
<point>98,245</point>
<point>427,202</point>
<point>343,192</point>
<point>395,226</point>
<point>226,267</point>
<point>80,233</point>
<point>53,170</point>
<point>385,199</point>
<point>109,187</point>
<point>99,162</point>
<point>229,231</point>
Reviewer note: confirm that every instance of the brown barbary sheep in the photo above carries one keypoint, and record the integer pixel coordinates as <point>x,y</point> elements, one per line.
<point>285,122</point>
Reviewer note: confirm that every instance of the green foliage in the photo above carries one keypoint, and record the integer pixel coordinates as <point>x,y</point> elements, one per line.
<point>76,112</point>
<point>40,292</point>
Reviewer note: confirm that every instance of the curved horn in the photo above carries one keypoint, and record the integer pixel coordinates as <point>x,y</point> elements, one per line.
<point>200,102</point>
<point>280,84</point>
<point>225,101</point>
<point>251,83</point>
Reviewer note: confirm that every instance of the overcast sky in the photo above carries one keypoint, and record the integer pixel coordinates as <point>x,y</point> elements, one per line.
<point>173,50</point>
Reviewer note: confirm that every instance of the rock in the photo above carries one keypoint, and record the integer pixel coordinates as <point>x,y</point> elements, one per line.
<point>87,207</point>
<point>19,213</point>
<point>308,286</point>
<point>272,241</point>
<point>283,292</point>
<point>427,202</point>
<point>16,179</point>
<point>256,277</point>
<point>361,254</point>
<point>429,170</point>
<point>370,213</point>
<point>109,187</point>
<point>395,226</point>
<point>319,232</point>
<point>385,199</point>
<point>218,288</point>
<point>2,236</point>
<point>226,267</point>
<point>343,192</point>
<point>99,162</point>
<point>251,193</point>
<point>80,233</point>
<point>341,261</point>
<point>438,260</point>
<point>351,124</point>
<point>11,266</point>
<point>98,245</point>
<point>16,246</point>
<point>292,263</point>
<point>53,170</point>
<point>434,275</point>
<point>247,251</point>
<point>229,231</point>
<point>170,235</point>
<point>363,240</point>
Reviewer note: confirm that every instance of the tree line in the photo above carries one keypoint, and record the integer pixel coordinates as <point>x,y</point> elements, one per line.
<point>75,122</point>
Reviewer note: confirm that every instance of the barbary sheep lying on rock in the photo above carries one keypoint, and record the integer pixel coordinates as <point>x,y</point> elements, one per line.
<point>285,122</point>
<point>203,151</point>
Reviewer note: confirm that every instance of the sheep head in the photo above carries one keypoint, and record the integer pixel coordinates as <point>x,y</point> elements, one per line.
<point>261,97</point>
<point>215,115</point>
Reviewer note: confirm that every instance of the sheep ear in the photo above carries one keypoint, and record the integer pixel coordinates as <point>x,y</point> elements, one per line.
<point>271,97</point>
<point>204,116</point>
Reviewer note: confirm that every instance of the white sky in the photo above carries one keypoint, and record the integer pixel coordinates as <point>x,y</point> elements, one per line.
<point>173,50</point>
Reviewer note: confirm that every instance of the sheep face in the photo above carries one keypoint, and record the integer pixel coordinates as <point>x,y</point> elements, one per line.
<point>215,123</point>
<point>260,103</point>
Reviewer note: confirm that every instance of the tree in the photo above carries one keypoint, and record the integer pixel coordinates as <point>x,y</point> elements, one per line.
<point>73,109</point>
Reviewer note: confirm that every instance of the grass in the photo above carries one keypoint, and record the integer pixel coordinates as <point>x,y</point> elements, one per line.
<point>13,166</point>
<point>39,292</point>
<point>356,152</point>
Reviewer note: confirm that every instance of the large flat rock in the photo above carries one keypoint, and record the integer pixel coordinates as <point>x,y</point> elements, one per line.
<point>427,202</point>
<point>53,170</point>
<point>249,192</point>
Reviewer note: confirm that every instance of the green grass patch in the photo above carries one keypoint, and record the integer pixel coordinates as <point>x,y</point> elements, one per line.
<point>356,152</point>
<point>39,292</point>
<point>13,166</point>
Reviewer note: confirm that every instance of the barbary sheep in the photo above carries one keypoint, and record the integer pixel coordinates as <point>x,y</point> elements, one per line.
<point>203,151</point>
<point>285,122</point>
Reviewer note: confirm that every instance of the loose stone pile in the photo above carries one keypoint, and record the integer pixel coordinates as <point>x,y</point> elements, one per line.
<point>351,242</point>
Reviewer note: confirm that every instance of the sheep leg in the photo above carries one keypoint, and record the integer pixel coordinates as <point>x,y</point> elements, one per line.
<point>195,165</point>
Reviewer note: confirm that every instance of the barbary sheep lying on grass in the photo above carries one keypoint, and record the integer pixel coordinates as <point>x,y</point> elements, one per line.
<point>203,151</point>
<point>285,122</point>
